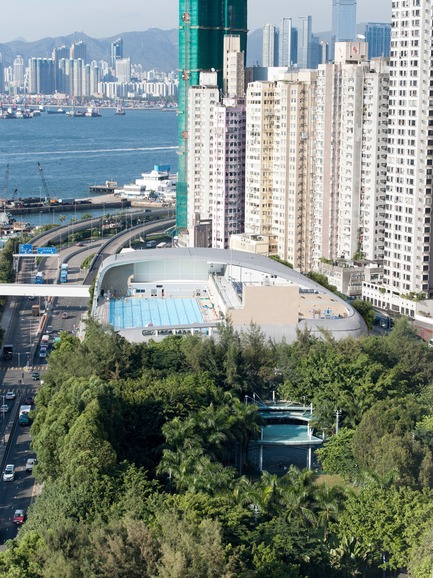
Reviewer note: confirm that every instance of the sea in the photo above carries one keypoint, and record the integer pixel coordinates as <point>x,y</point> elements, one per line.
<point>77,152</point>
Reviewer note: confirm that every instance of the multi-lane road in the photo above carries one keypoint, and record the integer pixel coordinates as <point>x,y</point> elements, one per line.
<point>24,332</point>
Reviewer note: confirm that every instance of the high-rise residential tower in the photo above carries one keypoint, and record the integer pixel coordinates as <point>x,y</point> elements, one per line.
<point>270,45</point>
<point>78,50</point>
<point>285,56</point>
<point>305,37</point>
<point>203,24</point>
<point>408,262</point>
<point>116,51</point>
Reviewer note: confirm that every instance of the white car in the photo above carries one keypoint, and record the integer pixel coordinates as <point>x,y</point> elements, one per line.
<point>4,408</point>
<point>30,463</point>
<point>9,473</point>
<point>10,395</point>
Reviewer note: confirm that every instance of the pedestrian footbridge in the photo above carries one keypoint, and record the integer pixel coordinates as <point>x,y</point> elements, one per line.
<point>44,290</point>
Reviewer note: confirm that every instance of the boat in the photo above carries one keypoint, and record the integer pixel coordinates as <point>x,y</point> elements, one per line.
<point>120,111</point>
<point>92,112</point>
<point>158,185</point>
<point>75,113</point>
<point>56,111</point>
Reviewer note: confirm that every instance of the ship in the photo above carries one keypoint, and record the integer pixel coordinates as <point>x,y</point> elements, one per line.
<point>92,112</point>
<point>159,185</point>
<point>120,111</point>
<point>56,111</point>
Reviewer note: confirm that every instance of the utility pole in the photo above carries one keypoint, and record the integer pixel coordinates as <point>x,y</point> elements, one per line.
<point>337,420</point>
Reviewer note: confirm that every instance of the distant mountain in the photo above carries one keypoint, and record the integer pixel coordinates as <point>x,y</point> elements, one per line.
<point>153,48</point>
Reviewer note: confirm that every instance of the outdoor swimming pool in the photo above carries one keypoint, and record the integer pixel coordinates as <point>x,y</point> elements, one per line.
<point>156,312</point>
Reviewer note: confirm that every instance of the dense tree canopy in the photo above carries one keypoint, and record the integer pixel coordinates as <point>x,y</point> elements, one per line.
<point>142,453</point>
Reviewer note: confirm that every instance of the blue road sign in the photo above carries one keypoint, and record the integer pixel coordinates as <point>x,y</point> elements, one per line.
<point>47,250</point>
<point>26,249</point>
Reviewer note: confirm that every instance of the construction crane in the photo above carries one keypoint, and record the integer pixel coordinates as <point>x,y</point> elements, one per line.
<point>44,184</point>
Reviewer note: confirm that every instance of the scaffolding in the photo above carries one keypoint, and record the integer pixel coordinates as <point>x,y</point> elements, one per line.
<point>202,27</point>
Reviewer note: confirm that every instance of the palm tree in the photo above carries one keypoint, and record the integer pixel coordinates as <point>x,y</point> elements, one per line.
<point>328,504</point>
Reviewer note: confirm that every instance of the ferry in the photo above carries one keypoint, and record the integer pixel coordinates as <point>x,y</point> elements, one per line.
<point>159,184</point>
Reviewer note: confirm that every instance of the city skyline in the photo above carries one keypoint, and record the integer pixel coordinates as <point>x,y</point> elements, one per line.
<point>103,18</point>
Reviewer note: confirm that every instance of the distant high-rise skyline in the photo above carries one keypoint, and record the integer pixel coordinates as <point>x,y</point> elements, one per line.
<point>270,45</point>
<point>343,20</point>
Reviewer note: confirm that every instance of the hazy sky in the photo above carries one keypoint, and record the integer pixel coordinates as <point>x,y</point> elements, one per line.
<point>35,19</point>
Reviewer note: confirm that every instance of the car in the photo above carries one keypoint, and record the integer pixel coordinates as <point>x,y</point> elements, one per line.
<point>43,352</point>
<point>79,244</point>
<point>65,315</point>
<point>36,375</point>
<point>9,473</point>
<point>4,408</point>
<point>49,329</point>
<point>10,395</point>
<point>32,297</point>
<point>29,400</point>
<point>19,517</point>
<point>30,463</point>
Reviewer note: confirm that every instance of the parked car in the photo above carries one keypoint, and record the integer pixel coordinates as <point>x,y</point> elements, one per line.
<point>4,408</point>
<point>36,375</point>
<point>9,473</point>
<point>10,395</point>
<point>19,517</point>
<point>30,463</point>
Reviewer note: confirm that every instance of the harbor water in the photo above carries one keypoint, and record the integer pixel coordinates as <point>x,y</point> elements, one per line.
<point>76,153</point>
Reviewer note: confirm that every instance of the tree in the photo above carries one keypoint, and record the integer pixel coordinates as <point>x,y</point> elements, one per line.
<point>365,309</point>
<point>336,456</point>
<point>190,550</point>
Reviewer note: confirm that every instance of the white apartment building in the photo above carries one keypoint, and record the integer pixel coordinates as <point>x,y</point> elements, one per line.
<point>374,160</point>
<point>234,70</point>
<point>203,100</point>
<point>259,159</point>
<point>279,165</point>
<point>270,45</point>
<point>228,183</point>
<point>351,136</point>
<point>408,238</point>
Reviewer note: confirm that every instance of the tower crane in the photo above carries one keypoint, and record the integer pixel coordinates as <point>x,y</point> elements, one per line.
<point>44,184</point>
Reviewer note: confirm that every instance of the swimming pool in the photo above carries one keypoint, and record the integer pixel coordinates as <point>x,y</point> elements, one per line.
<point>136,312</point>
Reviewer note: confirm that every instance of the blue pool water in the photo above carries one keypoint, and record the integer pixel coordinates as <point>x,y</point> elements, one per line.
<point>132,312</point>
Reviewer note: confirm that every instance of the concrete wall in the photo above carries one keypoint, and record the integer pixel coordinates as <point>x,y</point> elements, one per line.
<point>268,305</point>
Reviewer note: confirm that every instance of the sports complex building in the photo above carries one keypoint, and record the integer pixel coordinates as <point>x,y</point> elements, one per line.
<point>149,294</point>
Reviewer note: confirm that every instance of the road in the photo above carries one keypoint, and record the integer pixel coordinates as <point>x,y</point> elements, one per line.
<point>24,332</point>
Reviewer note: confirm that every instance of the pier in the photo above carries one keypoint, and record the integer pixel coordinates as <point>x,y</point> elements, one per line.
<point>67,205</point>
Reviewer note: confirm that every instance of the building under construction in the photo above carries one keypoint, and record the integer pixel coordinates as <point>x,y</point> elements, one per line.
<point>202,27</point>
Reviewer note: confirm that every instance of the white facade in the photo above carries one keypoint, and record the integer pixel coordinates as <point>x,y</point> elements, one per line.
<point>203,100</point>
<point>408,239</point>
<point>228,183</point>
<point>350,156</point>
<point>234,70</point>
<point>279,165</point>
<point>270,45</point>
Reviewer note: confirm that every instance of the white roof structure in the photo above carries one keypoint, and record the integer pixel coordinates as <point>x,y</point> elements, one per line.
<point>151,293</point>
